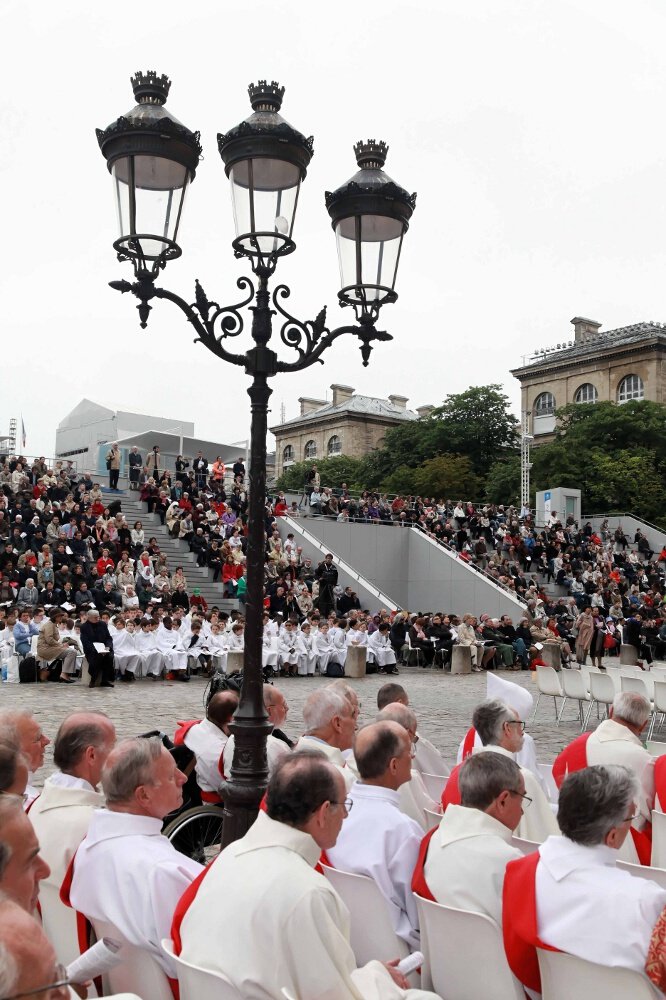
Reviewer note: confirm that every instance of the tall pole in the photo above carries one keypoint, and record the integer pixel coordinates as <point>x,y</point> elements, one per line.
<point>525,464</point>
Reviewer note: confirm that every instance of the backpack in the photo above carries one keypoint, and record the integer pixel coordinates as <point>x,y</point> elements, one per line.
<point>334,669</point>
<point>28,670</point>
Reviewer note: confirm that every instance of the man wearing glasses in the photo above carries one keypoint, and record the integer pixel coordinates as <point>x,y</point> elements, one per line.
<point>501,732</point>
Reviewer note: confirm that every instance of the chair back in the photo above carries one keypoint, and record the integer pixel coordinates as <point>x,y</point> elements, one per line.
<point>564,977</point>
<point>549,682</point>
<point>454,972</point>
<point>195,983</point>
<point>286,994</point>
<point>573,684</point>
<point>654,747</point>
<point>526,846</point>
<point>372,934</point>
<point>434,784</point>
<point>657,875</point>
<point>546,772</point>
<point>635,684</point>
<point>602,688</point>
<point>658,838</point>
<point>433,818</point>
<point>660,695</point>
<point>138,972</point>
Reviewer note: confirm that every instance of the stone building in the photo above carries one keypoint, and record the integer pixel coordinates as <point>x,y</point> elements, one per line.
<point>618,365</point>
<point>347,425</point>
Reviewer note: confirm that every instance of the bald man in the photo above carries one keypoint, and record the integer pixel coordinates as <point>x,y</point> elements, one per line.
<point>377,839</point>
<point>428,759</point>
<point>21,867</point>
<point>62,814</point>
<point>207,741</point>
<point>414,797</point>
<point>277,708</point>
<point>21,727</point>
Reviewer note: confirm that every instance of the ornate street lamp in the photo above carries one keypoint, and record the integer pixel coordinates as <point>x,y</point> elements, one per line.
<point>153,159</point>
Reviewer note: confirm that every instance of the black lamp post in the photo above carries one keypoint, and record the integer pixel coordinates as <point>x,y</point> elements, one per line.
<point>153,159</point>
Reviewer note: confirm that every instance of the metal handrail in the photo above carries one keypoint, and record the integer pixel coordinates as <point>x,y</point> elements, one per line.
<point>648,524</point>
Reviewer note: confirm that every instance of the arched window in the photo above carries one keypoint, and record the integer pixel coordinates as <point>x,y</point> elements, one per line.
<point>544,405</point>
<point>631,387</point>
<point>586,393</point>
<point>334,445</point>
<point>288,455</point>
<point>310,449</point>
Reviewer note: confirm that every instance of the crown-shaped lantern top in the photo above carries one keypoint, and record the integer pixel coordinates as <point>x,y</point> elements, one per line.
<point>266,96</point>
<point>371,154</point>
<point>149,88</point>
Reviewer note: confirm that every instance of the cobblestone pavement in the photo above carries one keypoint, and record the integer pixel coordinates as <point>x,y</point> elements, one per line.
<point>443,704</point>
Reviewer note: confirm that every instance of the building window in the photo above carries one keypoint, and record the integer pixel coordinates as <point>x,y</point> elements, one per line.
<point>586,393</point>
<point>334,445</point>
<point>631,387</point>
<point>310,450</point>
<point>544,405</point>
<point>288,455</point>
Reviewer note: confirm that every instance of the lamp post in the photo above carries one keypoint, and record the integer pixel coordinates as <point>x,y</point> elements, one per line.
<point>153,159</point>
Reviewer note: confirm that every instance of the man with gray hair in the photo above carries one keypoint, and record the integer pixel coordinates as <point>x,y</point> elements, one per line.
<point>501,731</point>
<point>126,873</point>
<point>98,650</point>
<point>330,724</point>
<point>62,814</point>
<point>21,867</point>
<point>468,852</point>
<point>21,727</point>
<point>570,895</point>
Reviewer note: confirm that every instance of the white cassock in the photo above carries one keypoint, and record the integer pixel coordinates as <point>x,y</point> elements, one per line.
<point>613,743</point>
<point>339,640</point>
<point>307,661</point>
<point>467,858</point>
<point>334,755</point>
<point>128,874</point>
<point>236,642</point>
<point>31,792</point>
<point>538,821</point>
<point>125,652</point>
<point>378,840</point>
<point>414,797</point>
<point>290,649</point>
<point>380,650</point>
<point>289,928</point>
<point>169,644</point>
<point>428,759</point>
<point>207,743</point>
<point>152,659</point>
<point>325,649</point>
<point>589,908</point>
<point>61,816</point>
<point>526,757</point>
<point>271,628</point>
<point>218,646</point>
<point>355,637</point>
<point>269,650</point>
<point>275,749</point>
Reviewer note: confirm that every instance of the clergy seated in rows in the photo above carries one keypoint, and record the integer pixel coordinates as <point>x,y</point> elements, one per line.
<point>61,815</point>
<point>467,854</point>
<point>380,650</point>
<point>501,732</point>
<point>19,726</point>
<point>289,928</point>
<point>330,724</point>
<point>28,962</point>
<point>569,895</point>
<point>277,743</point>
<point>207,740</point>
<point>428,759</point>
<point>414,797</point>
<point>377,839</point>
<point>21,867</point>
<point>126,873</point>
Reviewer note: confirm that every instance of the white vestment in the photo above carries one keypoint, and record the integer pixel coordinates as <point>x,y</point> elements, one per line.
<point>290,648</point>
<point>380,649</point>
<point>307,661</point>
<point>338,638</point>
<point>589,908</point>
<point>378,840</point>
<point>128,874</point>
<point>152,659</point>
<point>414,799</point>
<point>61,816</point>
<point>333,754</point>
<point>538,820</point>
<point>428,759</point>
<point>289,928</point>
<point>613,743</point>
<point>275,749</point>
<point>207,743</point>
<point>526,757</point>
<point>170,646</point>
<point>125,651</point>
<point>325,648</point>
<point>467,858</point>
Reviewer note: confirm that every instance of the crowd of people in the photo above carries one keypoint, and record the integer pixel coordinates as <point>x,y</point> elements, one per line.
<point>342,796</point>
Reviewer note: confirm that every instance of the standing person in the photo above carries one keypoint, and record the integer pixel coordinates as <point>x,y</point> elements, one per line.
<point>181,465</point>
<point>239,471</point>
<point>155,463</point>
<point>113,465</point>
<point>200,466</point>
<point>632,635</point>
<point>585,633</point>
<point>327,574</point>
<point>135,463</point>
<point>218,470</point>
<point>100,663</point>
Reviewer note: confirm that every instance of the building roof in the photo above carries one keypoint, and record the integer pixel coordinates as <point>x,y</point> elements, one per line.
<point>366,406</point>
<point>593,344</point>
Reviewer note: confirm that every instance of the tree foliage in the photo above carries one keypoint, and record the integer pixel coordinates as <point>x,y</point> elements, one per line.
<point>333,472</point>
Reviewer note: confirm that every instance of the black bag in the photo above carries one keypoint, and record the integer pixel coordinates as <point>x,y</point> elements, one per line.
<point>55,670</point>
<point>335,669</point>
<point>108,463</point>
<point>28,670</point>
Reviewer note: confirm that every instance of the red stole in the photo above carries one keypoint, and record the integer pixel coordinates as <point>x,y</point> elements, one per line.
<point>519,921</point>
<point>468,743</point>
<point>451,793</point>
<point>183,905</point>
<point>419,885</point>
<point>572,758</point>
<point>183,730</point>
<point>660,781</point>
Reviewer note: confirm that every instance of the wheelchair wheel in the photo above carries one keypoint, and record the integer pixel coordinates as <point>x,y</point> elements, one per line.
<point>197,832</point>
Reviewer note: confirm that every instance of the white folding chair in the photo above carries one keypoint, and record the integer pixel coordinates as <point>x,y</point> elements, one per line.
<point>636,685</point>
<point>138,972</point>
<point>657,875</point>
<point>448,969</point>
<point>573,685</point>
<point>566,977</point>
<point>286,994</point>
<point>372,934</point>
<point>659,704</point>
<point>433,818</point>
<point>548,683</point>
<point>413,649</point>
<point>655,748</point>
<point>526,846</point>
<point>658,858</point>
<point>602,692</point>
<point>435,784</point>
<point>546,772</point>
<point>196,983</point>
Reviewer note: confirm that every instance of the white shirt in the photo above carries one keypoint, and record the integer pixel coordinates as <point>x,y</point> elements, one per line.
<point>538,820</point>
<point>467,858</point>
<point>128,874</point>
<point>613,743</point>
<point>334,755</point>
<point>380,841</point>
<point>589,908</point>
<point>207,743</point>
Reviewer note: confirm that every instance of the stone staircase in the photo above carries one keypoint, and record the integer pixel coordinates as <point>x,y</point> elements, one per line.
<point>176,551</point>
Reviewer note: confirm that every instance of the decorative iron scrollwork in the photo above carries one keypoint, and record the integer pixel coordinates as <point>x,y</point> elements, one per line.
<point>303,336</point>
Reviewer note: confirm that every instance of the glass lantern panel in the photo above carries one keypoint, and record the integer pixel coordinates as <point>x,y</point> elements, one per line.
<point>264,195</point>
<point>150,194</point>
<point>369,251</point>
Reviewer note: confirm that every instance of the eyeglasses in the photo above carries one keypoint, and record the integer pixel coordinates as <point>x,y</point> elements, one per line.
<point>60,985</point>
<point>630,819</point>
<point>347,804</point>
<point>516,722</point>
<point>527,801</point>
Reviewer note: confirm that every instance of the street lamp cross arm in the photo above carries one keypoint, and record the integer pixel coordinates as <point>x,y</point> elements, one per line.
<point>302,335</point>
<point>204,325</point>
<point>311,356</point>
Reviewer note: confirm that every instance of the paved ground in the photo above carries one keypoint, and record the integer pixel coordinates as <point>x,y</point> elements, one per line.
<point>443,704</point>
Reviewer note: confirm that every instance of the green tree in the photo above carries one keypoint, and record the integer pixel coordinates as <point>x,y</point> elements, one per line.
<point>503,481</point>
<point>333,472</point>
<point>446,476</point>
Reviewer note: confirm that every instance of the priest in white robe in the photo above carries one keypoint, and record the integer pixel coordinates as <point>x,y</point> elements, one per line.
<point>414,796</point>
<point>277,708</point>
<point>290,929</point>
<point>330,724</point>
<point>428,759</point>
<point>380,649</point>
<point>207,741</point>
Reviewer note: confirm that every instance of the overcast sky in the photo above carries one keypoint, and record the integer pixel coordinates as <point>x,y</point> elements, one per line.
<point>531,131</point>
